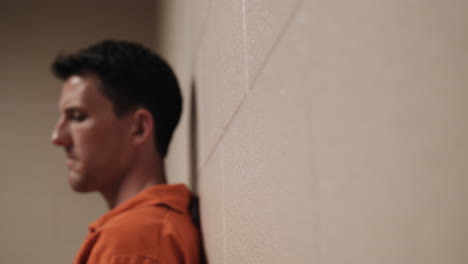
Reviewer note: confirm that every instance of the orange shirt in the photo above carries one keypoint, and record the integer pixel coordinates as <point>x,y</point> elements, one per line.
<point>153,227</point>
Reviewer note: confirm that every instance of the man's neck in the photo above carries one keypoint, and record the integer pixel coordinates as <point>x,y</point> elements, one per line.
<point>135,181</point>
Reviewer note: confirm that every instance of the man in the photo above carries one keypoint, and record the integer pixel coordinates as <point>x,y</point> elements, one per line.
<point>119,106</point>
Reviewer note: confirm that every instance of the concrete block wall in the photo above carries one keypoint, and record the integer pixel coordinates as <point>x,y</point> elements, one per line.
<point>327,131</point>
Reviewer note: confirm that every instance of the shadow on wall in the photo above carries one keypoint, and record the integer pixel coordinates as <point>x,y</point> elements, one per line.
<point>193,129</point>
<point>193,151</point>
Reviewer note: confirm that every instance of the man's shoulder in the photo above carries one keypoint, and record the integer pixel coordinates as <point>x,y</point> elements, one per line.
<point>148,223</point>
<point>156,232</point>
<point>135,232</point>
<point>134,222</point>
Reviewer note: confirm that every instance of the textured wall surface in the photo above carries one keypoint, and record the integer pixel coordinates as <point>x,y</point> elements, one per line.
<point>42,219</point>
<point>330,131</point>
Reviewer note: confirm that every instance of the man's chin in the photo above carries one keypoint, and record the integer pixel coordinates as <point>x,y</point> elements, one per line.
<point>79,183</point>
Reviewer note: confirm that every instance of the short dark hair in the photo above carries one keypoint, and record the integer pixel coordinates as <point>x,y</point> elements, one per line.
<point>132,77</point>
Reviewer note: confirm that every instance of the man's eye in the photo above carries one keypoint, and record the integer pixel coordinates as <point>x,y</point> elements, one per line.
<point>77,116</point>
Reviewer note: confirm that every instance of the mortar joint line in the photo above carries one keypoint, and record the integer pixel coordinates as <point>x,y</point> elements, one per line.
<point>223,132</point>
<point>246,51</point>
<point>197,46</point>
<point>276,43</point>
<point>249,85</point>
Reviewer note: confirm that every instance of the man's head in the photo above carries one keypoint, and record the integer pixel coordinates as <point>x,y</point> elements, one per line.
<point>116,97</point>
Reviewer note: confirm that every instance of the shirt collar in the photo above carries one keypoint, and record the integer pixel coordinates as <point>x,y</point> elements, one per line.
<point>175,196</point>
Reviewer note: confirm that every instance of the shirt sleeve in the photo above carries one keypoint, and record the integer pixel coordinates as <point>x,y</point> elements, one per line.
<point>171,251</point>
<point>179,241</point>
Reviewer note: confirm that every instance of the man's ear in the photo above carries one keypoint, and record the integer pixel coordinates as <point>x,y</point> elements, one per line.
<point>143,126</point>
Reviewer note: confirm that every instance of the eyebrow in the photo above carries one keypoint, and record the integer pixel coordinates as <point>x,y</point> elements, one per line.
<point>69,109</point>
<point>74,108</point>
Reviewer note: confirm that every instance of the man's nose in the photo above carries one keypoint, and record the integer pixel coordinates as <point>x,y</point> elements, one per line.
<point>60,135</point>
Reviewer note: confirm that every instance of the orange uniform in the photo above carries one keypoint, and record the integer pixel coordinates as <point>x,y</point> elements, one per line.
<point>154,227</point>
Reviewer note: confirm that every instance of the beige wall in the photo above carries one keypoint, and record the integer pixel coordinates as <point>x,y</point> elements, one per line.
<point>330,131</point>
<point>42,220</point>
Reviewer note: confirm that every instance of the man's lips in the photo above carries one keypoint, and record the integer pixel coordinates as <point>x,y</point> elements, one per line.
<point>71,162</point>
<point>71,158</point>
